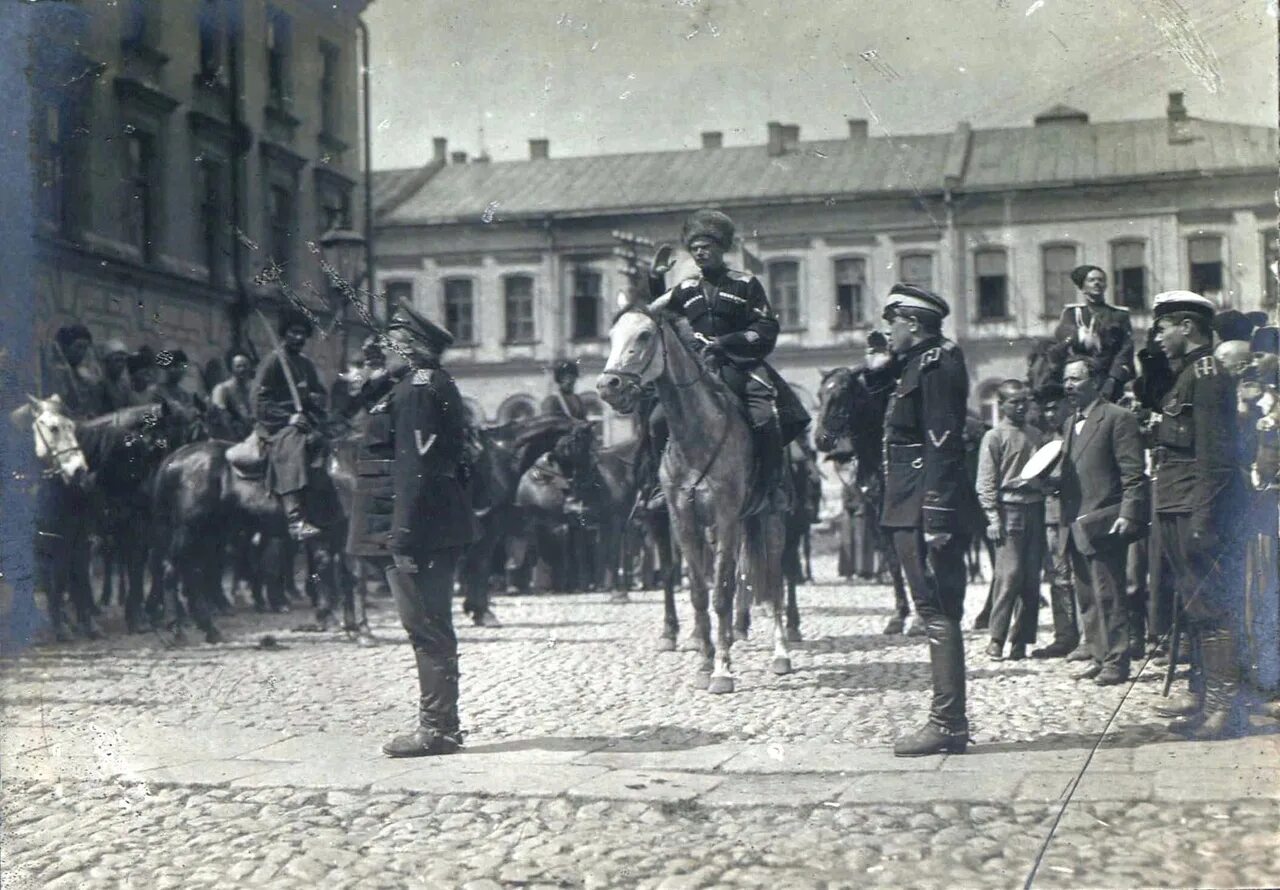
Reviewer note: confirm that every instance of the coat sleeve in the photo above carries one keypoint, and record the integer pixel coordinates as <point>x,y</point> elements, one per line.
<point>944,391</point>
<point>1134,483</point>
<point>763,325</point>
<point>1121,369</point>
<point>988,464</point>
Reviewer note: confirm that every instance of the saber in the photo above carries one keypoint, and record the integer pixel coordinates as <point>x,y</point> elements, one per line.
<point>284,361</point>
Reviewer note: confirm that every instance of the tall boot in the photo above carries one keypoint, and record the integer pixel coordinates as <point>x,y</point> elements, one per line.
<point>1225,715</point>
<point>947,731</point>
<point>437,732</point>
<point>766,441</point>
<point>1188,706</point>
<point>299,528</point>
<point>1137,608</point>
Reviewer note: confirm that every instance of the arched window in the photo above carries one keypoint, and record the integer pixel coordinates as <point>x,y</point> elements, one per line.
<point>517,407</point>
<point>517,297</point>
<point>784,292</point>
<point>459,309</point>
<point>991,279</point>
<point>1057,261</point>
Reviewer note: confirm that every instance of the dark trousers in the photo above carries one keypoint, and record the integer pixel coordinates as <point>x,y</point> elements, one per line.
<point>287,461</point>
<point>1100,586</point>
<point>755,390</point>
<point>424,601</point>
<point>936,578</point>
<point>1062,594</point>
<point>1209,586</point>
<point>1019,561</point>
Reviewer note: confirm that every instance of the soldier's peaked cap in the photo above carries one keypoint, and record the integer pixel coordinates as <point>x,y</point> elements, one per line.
<point>708,223</point>
<point>1173,301</point>
<point>421,328</point>
<point>908,296</point>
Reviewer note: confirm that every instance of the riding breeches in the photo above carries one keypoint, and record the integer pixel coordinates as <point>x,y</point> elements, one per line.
<point>287,461</point>
<point>755,390</point>
<point>424,601</point>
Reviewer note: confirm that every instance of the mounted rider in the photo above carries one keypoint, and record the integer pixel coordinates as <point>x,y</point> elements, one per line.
<point>290,403</point>
<point>565,400</point>
<point>730,312</point>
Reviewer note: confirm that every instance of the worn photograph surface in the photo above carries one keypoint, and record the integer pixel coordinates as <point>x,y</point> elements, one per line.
<point>639,444</point>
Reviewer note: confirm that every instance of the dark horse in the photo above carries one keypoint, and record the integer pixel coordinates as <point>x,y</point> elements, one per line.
<point>851,407</point>
<point>197,496</point>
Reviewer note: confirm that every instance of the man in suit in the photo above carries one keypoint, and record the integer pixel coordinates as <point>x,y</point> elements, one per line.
<point>930,508</point>
<point>1103,491</point>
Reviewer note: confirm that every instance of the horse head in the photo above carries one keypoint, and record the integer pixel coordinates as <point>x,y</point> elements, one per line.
<point>842,398</point>
<point>55,440</point>
<point>637,358</point>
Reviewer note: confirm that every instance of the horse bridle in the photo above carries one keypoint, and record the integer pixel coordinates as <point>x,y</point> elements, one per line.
<point>54,454</point>
<point>637,377</point>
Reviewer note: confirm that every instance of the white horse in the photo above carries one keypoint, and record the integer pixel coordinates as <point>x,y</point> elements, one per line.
<point>706,474</point>
<point>55,439</point>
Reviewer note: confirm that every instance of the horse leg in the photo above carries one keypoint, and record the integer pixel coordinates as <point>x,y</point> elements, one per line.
<point>667,560</point>
<point>697,551</point>
<point>781,591</point>
<point>202,582</point>
<point>793,614</point>
<point>725,580</point>
<point>135,563</point>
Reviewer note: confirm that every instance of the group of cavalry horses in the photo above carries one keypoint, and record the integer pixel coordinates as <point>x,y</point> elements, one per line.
<point>179,514</point>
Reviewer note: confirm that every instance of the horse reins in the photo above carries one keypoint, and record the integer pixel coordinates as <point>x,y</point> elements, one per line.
<point>54,454</point>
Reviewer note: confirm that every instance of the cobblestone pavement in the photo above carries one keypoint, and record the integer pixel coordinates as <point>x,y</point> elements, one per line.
<point>594,761</point>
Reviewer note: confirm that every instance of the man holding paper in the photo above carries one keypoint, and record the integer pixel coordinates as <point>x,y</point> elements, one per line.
<point>1104,491</point>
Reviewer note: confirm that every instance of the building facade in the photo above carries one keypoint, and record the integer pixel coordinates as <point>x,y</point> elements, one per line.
<point>182,148</point>
<point>517,257</point>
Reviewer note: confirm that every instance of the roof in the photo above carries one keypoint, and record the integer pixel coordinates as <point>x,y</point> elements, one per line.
<point>1023,157</point>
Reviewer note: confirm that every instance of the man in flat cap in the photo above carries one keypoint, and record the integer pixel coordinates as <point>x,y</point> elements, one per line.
<point>289,402</point>
<point>930,506</point>
<point>565,401</point>
<point>729,311</point>
<point>432,519</point>
<point>1198,498</point>
<point>1096,328</point>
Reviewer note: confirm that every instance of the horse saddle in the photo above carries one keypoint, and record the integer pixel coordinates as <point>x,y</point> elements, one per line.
<point>248,457</point>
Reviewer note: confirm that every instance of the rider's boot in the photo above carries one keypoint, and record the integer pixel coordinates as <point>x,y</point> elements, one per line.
<point>299,528</point>
<point>767,445</point>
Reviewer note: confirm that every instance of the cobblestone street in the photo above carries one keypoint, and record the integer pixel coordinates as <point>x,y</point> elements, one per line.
<point>594,761</point>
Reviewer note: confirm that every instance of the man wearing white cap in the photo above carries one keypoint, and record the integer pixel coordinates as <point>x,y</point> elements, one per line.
<point>1198,496</point>
<point>930,506</point>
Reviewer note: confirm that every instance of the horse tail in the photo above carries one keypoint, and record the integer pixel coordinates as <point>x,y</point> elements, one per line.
<point>752,564</point>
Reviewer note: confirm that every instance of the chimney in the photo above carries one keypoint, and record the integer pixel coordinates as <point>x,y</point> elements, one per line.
<point>775,139</point>
<point>539,149</point>
<point>482,158</point>
<point>458,157</point>
<point>712,139</point>
<point>1180,126</point>
<point>441,149</point>
<point>1177,111</point>
<point>857,128</point>
<point>790,137</point>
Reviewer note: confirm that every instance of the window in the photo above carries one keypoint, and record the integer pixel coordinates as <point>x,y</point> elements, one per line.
<point>459,311</point>
<point>587,284</point>
<point>140,207</point>
<point>52,171</point>
<point>1271,267</point>
<point>991,270</point>
<point>278,28</point>
<point>211,192</point>
<point>1059,290</point>
<point>329,74</point>
<point>141,23</point>
<point>1205,256</point>
<point>1129,274</point>
<point>784,292</point>
<point>916,269</point>
<point>280,218</point>
<point>212,50</point>
<point>335,209</point>
<point>851,288</point>
<point>518,302</point>
<point>398,293</point>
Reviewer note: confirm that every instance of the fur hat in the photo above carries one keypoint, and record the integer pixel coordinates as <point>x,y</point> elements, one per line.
<point>1232,324</point>
<point>707,223</point>
<point>1080,273</point>
<point>292,317</point>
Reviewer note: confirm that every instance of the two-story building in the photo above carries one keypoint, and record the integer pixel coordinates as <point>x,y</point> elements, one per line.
<point>517,257</point>
<point>182,147</point>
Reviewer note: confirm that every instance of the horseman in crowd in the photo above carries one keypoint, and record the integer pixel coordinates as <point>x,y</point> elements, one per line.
<point>70,377</point>
<point>730,313</point>
<point>231,401</point>
<point>185,409</point>
<point>115,390</point>
<point>290,403</point>
<point>565,401</point>
<point>1095,328</point>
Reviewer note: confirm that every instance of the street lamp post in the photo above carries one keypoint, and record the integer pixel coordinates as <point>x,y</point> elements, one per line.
<point>344,250</point>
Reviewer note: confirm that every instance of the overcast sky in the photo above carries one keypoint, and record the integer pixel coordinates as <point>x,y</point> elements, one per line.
<point>608,76</point>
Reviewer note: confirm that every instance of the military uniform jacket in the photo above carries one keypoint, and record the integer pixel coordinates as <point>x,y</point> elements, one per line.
<point>1100,330</point>
<point>432,511</point>
<point>729,304</point>
<point>927,485</point>
<point>273,403</point>
<point>1197,449</point>
<point>565,405</point>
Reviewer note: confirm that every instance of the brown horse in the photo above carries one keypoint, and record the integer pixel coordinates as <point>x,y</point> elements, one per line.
<point>706,474</point>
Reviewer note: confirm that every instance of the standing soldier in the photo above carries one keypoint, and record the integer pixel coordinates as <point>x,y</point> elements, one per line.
<point>289,401</point>
<point>1096,328</point>
<point>1198,499</point>
<point>431,524</point>
<point>565,401</point>
<point>930,507</point>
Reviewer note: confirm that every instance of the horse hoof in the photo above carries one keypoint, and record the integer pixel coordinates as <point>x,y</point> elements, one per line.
<point>485,619</point>
<point>620,596</point>
<point>691,644</point>
<point>213,635</point>
<point>794,635</point>
<point>720,685</point>
<point>666,644</point>
<point>781,666</point>
<point>366,640</point>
